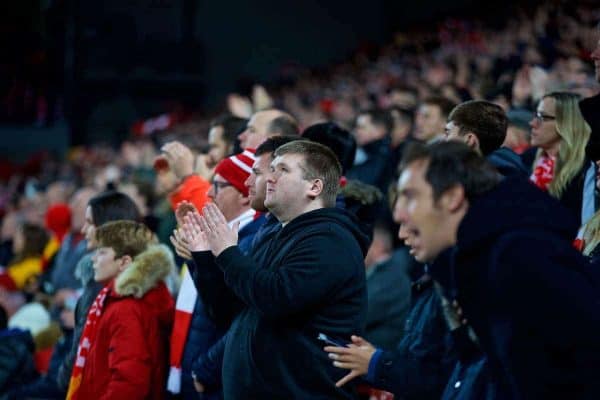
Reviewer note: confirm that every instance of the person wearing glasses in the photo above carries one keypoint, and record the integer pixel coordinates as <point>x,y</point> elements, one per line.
<point>561,134</point>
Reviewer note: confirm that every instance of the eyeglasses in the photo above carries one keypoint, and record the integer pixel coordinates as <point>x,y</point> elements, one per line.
<point>543,117</point>
<point>220,185</point>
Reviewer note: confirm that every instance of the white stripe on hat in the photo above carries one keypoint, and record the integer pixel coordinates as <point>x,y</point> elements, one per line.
<point>241,164</point>
<point>249,154</point>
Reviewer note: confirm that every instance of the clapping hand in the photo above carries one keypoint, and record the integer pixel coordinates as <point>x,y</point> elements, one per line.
<point>181,246</point>
<point>193,234</point>
<point>182,210</point>
<point>355,357</point>
<point>217,232</point>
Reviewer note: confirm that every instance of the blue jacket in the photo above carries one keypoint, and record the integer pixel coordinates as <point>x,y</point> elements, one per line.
<point>508,163</point>
<point>527,293</point>
<point>420,365</point>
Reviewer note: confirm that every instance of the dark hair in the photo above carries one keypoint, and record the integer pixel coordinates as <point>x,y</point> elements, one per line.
<point>125,237</point>
<point>339,140</point>
<point>486,120</point>
<point>404,88</point>
<point>111,206</point>
<point>319,163</point>
<point>380,118</point>
<point>3,318</point>
<point>232,127</point>
<point>35,239</point>
<point>273,143</point>
<point>284,125</point>
<point>452,163</point>
<point>445,105</point>
<point>406,115</point>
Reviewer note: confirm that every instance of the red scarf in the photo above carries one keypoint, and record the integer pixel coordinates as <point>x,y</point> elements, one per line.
<point>85,343</point>
<point>543,172</point>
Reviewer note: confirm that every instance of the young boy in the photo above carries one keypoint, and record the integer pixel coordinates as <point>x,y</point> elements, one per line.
<point>123,350</point>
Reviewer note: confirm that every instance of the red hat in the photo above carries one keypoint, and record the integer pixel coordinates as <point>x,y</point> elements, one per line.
<point>58,220</point>
<point>236,169</point>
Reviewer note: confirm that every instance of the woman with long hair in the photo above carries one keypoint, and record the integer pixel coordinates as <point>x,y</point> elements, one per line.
<point>561,134</point>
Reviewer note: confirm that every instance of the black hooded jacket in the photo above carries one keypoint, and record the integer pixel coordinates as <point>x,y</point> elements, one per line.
<point>310,280</point>
<point>527,293</point>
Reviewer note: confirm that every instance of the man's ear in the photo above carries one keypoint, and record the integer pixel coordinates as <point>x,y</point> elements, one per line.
<point>472,141</point>
<point>124,262</point>
<point>244,200</point>
<point>315,189</point>
<point>453,198</point>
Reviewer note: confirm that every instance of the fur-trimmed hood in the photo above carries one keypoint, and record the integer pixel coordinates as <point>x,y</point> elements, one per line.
<point>147,269</point>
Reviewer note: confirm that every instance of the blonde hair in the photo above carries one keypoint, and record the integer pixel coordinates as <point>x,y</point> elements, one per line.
<point>591,234</point>
<point>574,133</point>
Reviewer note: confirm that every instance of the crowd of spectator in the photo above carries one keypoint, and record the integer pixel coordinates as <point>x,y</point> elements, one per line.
<point>229,195</point>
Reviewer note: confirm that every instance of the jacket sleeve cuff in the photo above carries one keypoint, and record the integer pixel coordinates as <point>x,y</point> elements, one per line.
<point>228,257</point>
<point>373,365</point>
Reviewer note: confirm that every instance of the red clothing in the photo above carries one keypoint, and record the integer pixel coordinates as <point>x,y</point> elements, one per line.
<point>129,356</point>
<point>193,189</point>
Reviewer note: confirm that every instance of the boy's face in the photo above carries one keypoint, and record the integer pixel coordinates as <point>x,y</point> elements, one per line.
<point>105,265</point>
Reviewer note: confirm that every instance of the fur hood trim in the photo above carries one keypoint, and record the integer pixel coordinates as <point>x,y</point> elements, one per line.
<point>146,270</point>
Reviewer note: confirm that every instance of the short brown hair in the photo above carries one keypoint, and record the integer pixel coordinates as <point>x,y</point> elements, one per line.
<point>319,163</point>
<point>125,237</point>
<point>486,120</point>
<point>445,105</point>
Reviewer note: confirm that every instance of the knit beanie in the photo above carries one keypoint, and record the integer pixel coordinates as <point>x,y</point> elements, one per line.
<point>236,169</point>
<point>58,220</point>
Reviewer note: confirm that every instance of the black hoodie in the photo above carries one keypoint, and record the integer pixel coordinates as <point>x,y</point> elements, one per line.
<point>310,281</point>
<point>527,293</point>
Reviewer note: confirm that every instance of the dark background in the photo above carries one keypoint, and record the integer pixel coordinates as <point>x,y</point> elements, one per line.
<point>74,72</point>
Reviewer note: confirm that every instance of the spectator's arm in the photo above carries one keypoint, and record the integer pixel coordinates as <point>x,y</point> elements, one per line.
<point>308,276</point>
<point>222,305</point>
<point>207,367</point>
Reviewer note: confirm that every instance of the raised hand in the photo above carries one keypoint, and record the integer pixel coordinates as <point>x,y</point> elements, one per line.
<point>239,106</point>
<point>181,246</point>
<point>218,233</point>
<point>355,357</point>
<point>182,210</point>
<point>180,157</point>
<point>192,233</point>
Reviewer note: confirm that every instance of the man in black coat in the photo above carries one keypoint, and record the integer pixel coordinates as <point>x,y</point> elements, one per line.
<point>502,252</point>
<point>310,281</point>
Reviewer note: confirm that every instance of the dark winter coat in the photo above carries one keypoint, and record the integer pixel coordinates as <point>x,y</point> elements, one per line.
<point>527,293</point>
<point>310,280</point>
<point>45,386</point>
<point>388,290</point>
<point>377,168</point>
<point>222,305</point>
<point>572,197</point>
<point>16,359</point>
<point>508,163</point>
<point>420,365</point>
